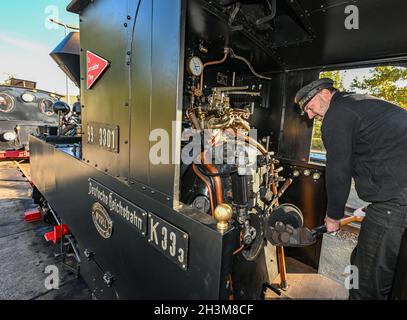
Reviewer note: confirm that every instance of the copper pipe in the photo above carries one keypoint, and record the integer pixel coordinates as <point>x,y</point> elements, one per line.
<point>200,176</point>
<point>282,267</point>
<point>238,250</point>
<point>226,123</point>
<point>274,188</point>
<point>242,244</point>
<point>281,191</point>
<point>218,182</point>
<point>285,187</point>
<point>256,144</point>
<point>243,123</point>
<point>211,63</point>
<point>194,120</point>
<point>252,142</point>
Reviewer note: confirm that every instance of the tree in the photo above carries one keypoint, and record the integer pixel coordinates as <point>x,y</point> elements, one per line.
<point>385,82</point>
<point>336,76</point>
<point>316,143</point>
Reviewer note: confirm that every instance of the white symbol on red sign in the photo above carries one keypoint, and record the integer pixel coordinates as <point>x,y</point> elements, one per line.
<point>95,67</point>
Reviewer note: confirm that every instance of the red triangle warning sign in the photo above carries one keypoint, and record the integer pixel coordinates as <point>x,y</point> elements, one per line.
<point>95,67</point>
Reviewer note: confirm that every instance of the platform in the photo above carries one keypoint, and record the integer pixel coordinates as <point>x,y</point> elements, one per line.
<point>24,253</point>
<point>305,283</point>
<point>310,286</point>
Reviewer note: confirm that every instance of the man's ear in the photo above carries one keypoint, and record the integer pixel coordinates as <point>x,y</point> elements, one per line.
<point>326,95</point>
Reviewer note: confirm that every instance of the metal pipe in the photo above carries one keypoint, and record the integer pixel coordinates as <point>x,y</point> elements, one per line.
<point>247,93</point>
<point>54,215</point>
<point>282,267</point>
<point>224,89</point>
<point>243,123</point>
<point>200,176</point>
<point>271,16</point>
<point>234,13</point>
<point>211,63</point>
<point>235,56</point>
<point>253,142</point>
<point>217,180</point>
<point>64,24</point>
<point>281,191</point>
<point>220,125</point>
<point>218,183</point>
<point>75,250</point>
<point>238,250</point>
<point>194,120</point>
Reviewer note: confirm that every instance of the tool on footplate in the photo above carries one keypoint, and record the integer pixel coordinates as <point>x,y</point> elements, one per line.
<point>280,232</point>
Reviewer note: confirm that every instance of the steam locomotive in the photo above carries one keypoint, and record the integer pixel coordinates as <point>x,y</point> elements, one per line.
<point>145,223</point>
<point>24,110</point>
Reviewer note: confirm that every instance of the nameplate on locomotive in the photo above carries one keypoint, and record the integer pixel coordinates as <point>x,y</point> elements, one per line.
<point>169,240</point>
<point>119,206</point>
<point>105,136</point>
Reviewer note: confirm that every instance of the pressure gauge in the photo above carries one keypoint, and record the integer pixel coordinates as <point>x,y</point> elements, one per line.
<point>195,66</point>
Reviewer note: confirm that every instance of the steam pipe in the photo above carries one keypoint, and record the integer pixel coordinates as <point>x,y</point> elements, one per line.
<point>211,63</point>
<point>253,142</point>
<point>200,176</point>
<point>194,120</point>
<point>235,56</point>
<point>217,180</point>
<point>218,183</point>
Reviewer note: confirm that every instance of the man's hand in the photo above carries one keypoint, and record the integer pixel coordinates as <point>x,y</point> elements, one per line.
<point>332,225</point>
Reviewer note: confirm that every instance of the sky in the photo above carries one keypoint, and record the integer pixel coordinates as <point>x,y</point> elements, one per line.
<point>349,75</point>
<point>27,38</point>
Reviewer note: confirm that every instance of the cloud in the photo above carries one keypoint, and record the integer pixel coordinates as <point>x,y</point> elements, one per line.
<point>22,43</point>
<point>31,61</point>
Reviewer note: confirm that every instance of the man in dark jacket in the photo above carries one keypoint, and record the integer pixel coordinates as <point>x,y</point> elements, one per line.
<point>365,138</point>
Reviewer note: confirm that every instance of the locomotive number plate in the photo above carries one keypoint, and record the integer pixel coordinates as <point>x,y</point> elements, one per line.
<point>169,240</point>
<point>105,136</point>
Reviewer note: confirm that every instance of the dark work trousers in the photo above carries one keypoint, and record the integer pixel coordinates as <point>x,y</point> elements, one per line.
<point>377,250</point>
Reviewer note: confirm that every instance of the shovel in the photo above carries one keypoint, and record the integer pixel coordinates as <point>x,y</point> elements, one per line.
<point>287,236</point>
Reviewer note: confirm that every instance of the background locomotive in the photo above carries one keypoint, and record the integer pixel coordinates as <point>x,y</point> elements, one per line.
<point>24,110</point>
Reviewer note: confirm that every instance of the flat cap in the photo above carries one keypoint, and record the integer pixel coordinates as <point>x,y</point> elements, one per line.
<point>305,94</point>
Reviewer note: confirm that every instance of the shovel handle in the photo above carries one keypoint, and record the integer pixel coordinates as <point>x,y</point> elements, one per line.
<point>322,229</point>
<point>351,219</point>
